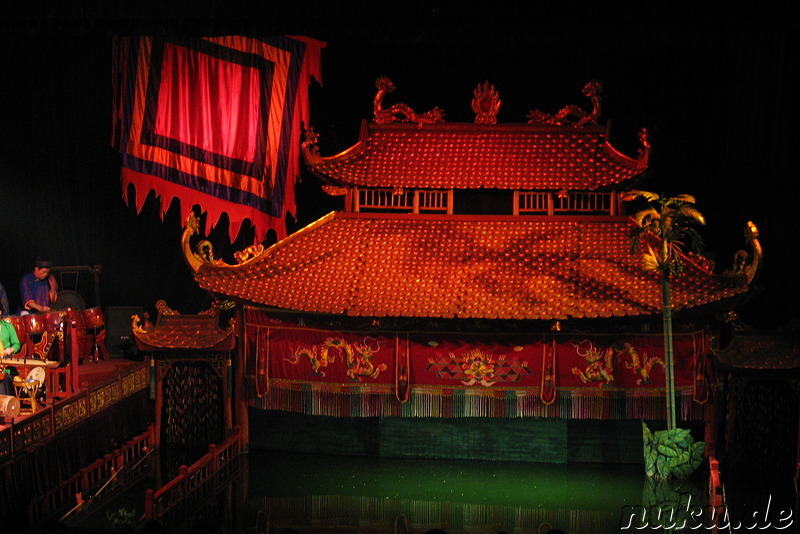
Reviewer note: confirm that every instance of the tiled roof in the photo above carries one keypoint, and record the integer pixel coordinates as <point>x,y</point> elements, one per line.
<point>761,351</point>
<point>177,331</point>
<point>445,156</point>
<point>459,267</point>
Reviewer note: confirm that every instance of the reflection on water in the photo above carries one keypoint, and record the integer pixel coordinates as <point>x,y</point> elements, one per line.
<point>350,494</point>
<point>272,492</point>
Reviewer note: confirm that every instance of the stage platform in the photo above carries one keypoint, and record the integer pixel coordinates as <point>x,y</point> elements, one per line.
<point>100,385</point>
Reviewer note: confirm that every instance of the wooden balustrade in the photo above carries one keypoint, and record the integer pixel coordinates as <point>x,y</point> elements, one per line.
<point>574,202</point>
<point>192,478</point>
<point>406,201</point>
<point>24,433</point>
<point>92,477</point>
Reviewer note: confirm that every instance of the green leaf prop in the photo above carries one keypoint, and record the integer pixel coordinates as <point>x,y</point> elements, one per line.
<point>670,453</point>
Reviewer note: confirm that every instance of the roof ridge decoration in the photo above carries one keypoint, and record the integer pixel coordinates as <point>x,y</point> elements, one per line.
<point>568,150</point>
<point>486,103</point>
<point>746,265</point>
<point>400,112</point>
<point>173,330</point>
<point>572,114</point>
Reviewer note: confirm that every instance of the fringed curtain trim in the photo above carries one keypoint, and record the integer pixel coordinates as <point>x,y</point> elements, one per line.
<point>380,401</point>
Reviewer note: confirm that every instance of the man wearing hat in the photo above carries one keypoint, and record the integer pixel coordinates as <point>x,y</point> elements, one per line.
<point>38,289</point>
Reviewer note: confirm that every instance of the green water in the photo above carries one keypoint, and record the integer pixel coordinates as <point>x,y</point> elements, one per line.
<point>347,494</point>
<point>272,492</point>
<point>589,486</point>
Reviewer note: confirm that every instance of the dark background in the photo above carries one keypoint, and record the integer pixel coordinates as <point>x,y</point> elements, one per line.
<point>714,88</point>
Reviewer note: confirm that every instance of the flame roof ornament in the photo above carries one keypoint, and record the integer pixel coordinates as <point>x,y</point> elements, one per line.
<point>486,103</point>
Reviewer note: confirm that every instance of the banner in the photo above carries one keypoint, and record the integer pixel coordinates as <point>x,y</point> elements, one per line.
<point>214,121</point>
<point>550,368</point>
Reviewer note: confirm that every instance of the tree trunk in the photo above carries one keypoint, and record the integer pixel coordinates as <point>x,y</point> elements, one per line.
<point>669,362</point>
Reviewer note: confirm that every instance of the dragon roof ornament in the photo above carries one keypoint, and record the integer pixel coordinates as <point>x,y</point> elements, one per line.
<point>572,114</point>
<point>746,265</point>
<point>400,112</point>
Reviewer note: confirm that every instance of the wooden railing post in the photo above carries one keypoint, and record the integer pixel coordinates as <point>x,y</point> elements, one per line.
<point>212,450</point>
<point>148,505</point>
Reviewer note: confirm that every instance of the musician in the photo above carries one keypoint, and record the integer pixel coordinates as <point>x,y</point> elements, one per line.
<point>9,345</point>
<point>38,289</point>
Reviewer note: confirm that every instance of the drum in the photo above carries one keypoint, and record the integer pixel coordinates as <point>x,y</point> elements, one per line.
<point>94,318</point>
<point>75,318</point>
<point>19,324</point>
<point>34,323</point>
<point>9,406</point>
<point>82,338</point>
<point>53,321</point>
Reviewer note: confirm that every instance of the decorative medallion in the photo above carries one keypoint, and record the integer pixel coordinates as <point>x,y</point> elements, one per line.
<point>475,366</point>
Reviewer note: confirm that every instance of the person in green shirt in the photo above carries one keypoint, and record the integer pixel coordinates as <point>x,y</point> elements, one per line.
<point>9,341</point>
<point>9,345</point>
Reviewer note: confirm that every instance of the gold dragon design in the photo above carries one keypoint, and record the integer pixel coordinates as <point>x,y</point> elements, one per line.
<point>357,357</point>
<point>600,363</point>
<point>641,365</point>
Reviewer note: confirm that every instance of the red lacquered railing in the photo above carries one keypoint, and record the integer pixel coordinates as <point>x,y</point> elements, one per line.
<point>89,480</point>
<point>716,495</point>
<point>161,501</point>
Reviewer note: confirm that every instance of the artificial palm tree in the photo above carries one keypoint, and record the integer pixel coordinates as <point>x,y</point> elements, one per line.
<point>669,221</point>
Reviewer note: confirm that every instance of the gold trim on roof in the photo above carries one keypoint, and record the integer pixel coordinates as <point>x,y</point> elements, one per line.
<point>174,330</point>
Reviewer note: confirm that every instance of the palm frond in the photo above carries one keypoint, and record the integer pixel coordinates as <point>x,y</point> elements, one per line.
<point>690,212</point>
<point>642,214</point>
<point>650,260</point>
<point>686,198</point>
<point>635,193</point>
<point>695,239</point>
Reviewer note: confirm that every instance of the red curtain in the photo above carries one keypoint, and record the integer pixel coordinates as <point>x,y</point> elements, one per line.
<point>215,122</point>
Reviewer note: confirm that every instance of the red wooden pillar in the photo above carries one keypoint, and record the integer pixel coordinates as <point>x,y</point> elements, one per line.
<point>239,365</point>
<point>227,392</point>
<point>157,395</point>
<point>73,374</point>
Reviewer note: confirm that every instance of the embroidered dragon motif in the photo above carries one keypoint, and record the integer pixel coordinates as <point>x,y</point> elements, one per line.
<point>641,365</point>
<point>357,357</point>
<point>600,362</point>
